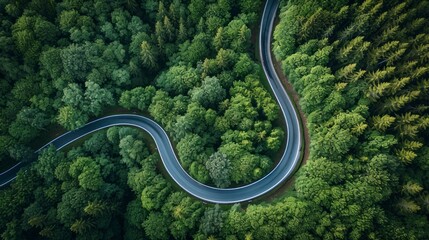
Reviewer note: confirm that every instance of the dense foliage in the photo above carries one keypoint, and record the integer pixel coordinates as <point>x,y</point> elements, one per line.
<point>187,64</point>
<point>360,68</point>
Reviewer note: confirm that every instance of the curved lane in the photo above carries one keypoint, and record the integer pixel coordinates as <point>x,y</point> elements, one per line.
<point>284,169</point>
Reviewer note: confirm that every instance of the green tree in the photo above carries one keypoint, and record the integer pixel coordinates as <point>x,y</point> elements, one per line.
<point>210,93</point>
<point>162,108</point>
<point>178,79</point>
<point>240,108</point>
<point>244,66</point>
<point>156,226</point>
<point>72,202</point>
<point>47,162</point>
<point>25,127</point>
<point>148,55</point>
<point>139,98</point>
<point>121,77</point>
<point>275,139</point>
<point>135,216</point>
<point>249,6</point>
<point>87,172</point>
<point>154,195</point>
<point>68,19</point>
<point>190,150</point>
<point>81,226</point>
<point>213,220</point>
<point>31,33</point>
<point>97,98</point>
<point>51,61</point>
<point>218,166</point>
<point>97,208</point>
<point>71,118</point>
<point>73,96</point>
<point>132,150</point>
<point>412,188</point>
<point>75,61</point>
<point>185,214</point>
<point>196,50</point>
<point>197,9</point>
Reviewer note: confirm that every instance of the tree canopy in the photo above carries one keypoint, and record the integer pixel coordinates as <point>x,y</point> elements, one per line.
<point>360,69</point>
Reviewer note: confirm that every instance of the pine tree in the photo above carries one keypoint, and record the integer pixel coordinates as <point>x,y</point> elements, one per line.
<point>393,104</point>
<point>407,67</point>
<point>174,11</point>
<point>398,84</point>
<point>382,123</point>
<point>423,122</point>
<point>340,86</point>
<point>160,34</point>
<point>81,226</point>
<point>420,71</point>
<point>219,39</point>
<point>240,43</point>
<point>97,208</point>
<point>148,55</point>
<point>408,206</point>
<point>354,51</point>
<point>161,11</point>
<point>377,91</point>
<point>47,231</point>
<point>397,54</point>
<point>388,34</point>
<point>408,118</point>
<point>201,26</point>
<point>349,73</point>
<point>422,52</point>
<point>316,24</point>
<point>37,221</point>
<point>412,145</point>
<point>379,54</point>
<point>169,29</point>
<point>424,87</point>
<point>359,129</point>
<point>407,125</point>
<point>411,188</point>
<point>406,156</point>
<point>182,35</point>
<point>380,75</point>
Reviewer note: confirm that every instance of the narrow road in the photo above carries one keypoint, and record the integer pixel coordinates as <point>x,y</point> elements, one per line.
<point>284,170</point>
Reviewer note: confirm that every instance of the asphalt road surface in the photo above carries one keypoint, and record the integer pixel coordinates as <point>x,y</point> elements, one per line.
<point>284,170</point>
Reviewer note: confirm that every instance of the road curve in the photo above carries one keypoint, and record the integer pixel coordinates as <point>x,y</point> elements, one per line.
<point>285,168</point>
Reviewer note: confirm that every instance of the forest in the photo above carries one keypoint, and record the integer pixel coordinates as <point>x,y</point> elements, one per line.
<point>360,69</point>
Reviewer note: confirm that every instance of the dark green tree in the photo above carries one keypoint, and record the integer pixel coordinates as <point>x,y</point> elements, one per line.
<point>219,169</point>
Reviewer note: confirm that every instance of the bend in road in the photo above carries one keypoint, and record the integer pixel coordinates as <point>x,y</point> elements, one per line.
<point>285,168</point>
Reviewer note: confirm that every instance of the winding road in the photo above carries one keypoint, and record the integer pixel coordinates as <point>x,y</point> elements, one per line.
<point>284,170</point>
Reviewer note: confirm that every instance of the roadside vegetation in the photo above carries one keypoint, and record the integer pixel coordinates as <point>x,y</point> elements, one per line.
<point>360,69</point>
